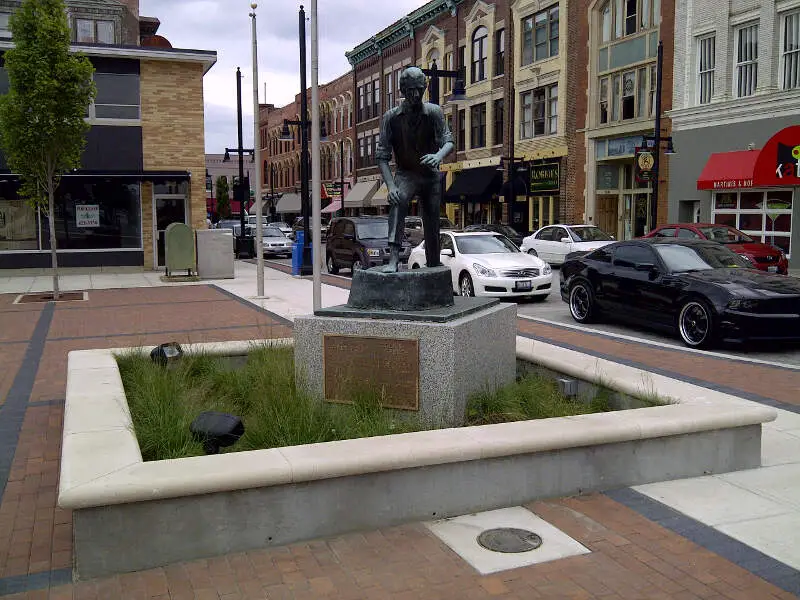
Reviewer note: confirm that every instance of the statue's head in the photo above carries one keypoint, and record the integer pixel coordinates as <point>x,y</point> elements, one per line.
<point>413,84</point>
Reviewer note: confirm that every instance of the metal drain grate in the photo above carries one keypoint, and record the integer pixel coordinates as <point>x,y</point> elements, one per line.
<point>509,540</point>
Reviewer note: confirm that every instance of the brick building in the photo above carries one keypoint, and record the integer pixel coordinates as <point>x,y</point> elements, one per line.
<point>736,100</point>
<point>612,80</point>
<point>282,158</point>
<point>144,163</point>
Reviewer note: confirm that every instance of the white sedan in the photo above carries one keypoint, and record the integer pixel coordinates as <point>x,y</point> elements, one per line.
<point>486,264</point>
<point>554,242</point>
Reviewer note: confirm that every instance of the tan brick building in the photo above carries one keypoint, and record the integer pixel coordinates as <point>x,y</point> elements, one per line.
<point>144,163</point>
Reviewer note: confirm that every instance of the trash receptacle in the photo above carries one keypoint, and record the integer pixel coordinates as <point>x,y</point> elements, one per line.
<point>297,252</point>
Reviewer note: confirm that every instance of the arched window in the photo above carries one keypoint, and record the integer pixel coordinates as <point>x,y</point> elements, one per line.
<point>434,56</point>
<point>479,54</point>
<point>264,173</point>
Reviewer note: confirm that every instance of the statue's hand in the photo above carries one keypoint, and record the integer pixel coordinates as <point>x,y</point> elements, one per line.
<point>393,196</point>
<point>431,160</point>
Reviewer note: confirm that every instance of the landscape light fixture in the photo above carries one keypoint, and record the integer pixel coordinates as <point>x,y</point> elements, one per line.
<point>166,354</point>
<point>216,430</point>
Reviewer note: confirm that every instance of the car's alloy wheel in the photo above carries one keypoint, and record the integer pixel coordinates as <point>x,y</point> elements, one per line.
<point>357,265</point>
<point>465,286</point>
<point>332,268</point>
<point>695,324</point>
<point>533,252</point>
<point>581,302</point>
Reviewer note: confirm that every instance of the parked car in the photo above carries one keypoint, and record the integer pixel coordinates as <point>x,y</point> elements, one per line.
<point>763,256</point>
<point>275,243</point>
<point>700,289</point>
<point>228,223</point>
<point>414,228</point>
<point>554,242</point>
<point>489,264</point>
<point>359,243</point>
<point>283,226</point>
<point>511,233</point>
<point>298,226</point>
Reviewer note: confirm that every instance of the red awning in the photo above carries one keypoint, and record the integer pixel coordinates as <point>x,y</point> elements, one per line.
<point>728,170</point>
<point>333,207</point>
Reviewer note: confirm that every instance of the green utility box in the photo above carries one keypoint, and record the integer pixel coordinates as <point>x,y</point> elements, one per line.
<point>179,248</point>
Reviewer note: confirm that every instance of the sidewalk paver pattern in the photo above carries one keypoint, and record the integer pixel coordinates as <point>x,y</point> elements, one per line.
<point>631,556</point>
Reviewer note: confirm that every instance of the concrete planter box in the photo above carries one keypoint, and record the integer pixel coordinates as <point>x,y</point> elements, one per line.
<point>130,515</point>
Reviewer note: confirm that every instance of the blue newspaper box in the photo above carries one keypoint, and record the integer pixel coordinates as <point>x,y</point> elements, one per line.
<point>297,252</point>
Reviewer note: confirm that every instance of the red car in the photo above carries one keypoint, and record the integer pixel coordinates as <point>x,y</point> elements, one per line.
<point>763,256</point>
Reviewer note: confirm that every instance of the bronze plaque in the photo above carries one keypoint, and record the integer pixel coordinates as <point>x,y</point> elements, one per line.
<point>388,366</point>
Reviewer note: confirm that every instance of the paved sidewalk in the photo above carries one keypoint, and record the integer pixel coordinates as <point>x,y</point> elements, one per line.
<point>640,548</point>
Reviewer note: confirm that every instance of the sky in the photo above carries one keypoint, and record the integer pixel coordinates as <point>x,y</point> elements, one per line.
<point>225,26</point>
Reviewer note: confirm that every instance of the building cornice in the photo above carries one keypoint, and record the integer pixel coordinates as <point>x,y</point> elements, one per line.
<point>402,28</point>
<point>776,104</point>
<point>207,57</point>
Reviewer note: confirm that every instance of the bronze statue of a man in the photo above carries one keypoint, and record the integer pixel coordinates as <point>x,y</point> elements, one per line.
<point>417,133</point>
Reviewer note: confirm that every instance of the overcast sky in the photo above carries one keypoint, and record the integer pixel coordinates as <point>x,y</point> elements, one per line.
<point>224,26</point>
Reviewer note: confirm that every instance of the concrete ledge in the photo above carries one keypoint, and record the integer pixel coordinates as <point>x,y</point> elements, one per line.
<point>132,515</point>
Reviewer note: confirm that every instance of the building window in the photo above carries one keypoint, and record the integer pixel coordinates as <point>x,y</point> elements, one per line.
<point>766,216</point>
<point>389,83</point>
<point>89,31</point>
<point>117,96</point>
<point>539,112</point>
<point>462,130</point>
<point>448,65</point>
<point>362,152</point>
<point>499,52</point>
<point>790,51</point>
<point>540,36</point>
<point>620,18</point>
<point>653,85</point>
<point>434,57</point>
<point>368,101</point>
<point>479,54</point>
<point>705,68</point>
<point>360,104</point>
<point>478,125</point>
<point>4,29</point>
<point>498,113</point>
<point>376,101</point>
<point>375,141</point>
<point>632,95</point>
<point>462,59</point>
<point>746,75</point>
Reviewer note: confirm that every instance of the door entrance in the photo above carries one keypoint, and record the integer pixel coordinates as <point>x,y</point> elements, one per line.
<point>167,209</point>
<point>607,217</point>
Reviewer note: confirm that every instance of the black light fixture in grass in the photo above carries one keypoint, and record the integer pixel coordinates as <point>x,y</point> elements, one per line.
<point>166,354</point>
<point>216,430</point>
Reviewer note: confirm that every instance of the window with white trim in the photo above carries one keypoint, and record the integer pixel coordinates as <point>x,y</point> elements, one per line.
<point>621,18</point>
<point>479,54</point>
<point>766,216</point>
<point>627,95</point>
<point>540,35</point>
<point>706,62</point>
<point>5,30</point>
<point>746,55</point>
<point>539,112</point>
<point>91,31</point>
<point>790,50</point>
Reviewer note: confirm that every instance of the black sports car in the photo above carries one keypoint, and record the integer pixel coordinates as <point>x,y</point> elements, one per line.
<point>701,289</point>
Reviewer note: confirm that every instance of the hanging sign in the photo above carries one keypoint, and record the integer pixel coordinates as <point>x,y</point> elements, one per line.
<point>645,163</point>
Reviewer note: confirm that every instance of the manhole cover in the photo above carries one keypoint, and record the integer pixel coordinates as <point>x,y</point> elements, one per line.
<point>509,540</point>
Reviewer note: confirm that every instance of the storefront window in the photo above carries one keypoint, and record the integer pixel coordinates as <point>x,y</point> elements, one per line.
<point>96,215</point>
<point>17,220</point>
<point>763,215</point>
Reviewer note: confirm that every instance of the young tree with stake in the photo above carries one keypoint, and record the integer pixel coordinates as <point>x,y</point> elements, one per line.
<point>42,117</point>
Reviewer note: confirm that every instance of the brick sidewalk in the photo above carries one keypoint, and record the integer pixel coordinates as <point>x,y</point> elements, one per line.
<point>632,557</point>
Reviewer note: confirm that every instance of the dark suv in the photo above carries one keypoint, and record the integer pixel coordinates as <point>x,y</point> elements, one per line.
<point>359,243</point>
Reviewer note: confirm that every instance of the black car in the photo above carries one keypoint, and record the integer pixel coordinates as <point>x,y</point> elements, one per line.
<point>701,289</point>
<point>359,243</point>
<point>505,230</point>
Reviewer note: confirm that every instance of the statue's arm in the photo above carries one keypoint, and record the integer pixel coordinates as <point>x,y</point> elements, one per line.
<point>444,136</point>
<point>383,154</point>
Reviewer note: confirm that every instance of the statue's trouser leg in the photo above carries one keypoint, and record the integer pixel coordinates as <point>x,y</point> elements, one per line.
<point>398,212</point>
<point>430,198</point>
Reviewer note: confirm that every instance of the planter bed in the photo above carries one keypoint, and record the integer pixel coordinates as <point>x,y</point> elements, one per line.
<point>131,515</point>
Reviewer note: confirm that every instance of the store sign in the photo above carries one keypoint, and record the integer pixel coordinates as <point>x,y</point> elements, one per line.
<point>545,178</point>
<point>731,184</point>
<point>778,162</point>
<point>625,146</point>
<point>333,190</point>
<point>645,163</point>
<point>87,215</point>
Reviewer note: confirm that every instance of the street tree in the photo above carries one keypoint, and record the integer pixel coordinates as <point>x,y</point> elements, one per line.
<point>42,117</point>
<point>223,198</point>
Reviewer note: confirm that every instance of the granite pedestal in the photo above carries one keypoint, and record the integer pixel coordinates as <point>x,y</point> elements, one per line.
<point>443,355</point>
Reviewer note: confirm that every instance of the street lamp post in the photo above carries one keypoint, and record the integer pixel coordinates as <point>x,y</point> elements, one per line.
<point>257,159</point>
<point>239,190</point>
<point>341,174</point>
<point>435,74</point>
<point>512,162</point>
